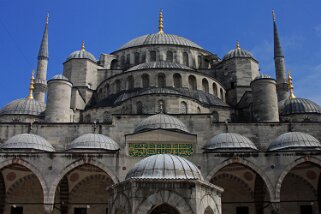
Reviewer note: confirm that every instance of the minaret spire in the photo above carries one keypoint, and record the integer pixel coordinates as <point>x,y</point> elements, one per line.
<point>282,85</point>
<point>43,57</point>
<point>161,22</point>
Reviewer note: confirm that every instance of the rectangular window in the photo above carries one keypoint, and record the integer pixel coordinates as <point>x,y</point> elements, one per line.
<point>80,211</point>
<point>306,209</point>
<point>16,210</point>
<point>242,210</point>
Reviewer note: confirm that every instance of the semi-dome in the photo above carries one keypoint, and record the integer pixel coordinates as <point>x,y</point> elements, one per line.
<point>160,39</point>
<point>27,142</point>
<point>24,106</point>
<point>300,106</point>
<point>81,54</point>
<point>161,121</point>
<point>164,166</point>
<point>159,65</point>
<point>93,141</point>
<point>230,141</point>
<point>59,77</point>
<point>294,140</point>
<point>238,53</point>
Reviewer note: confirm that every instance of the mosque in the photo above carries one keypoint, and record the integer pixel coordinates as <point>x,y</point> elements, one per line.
<point>160,126</point>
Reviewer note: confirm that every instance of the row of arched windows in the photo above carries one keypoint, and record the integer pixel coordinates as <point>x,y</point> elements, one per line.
<point>161,107</point>
<point>161,83</point>
<point>141,58</point>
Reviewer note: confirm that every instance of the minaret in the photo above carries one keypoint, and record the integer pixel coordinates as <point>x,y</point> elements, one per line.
<point>43,57</point>
<point>281,83</point>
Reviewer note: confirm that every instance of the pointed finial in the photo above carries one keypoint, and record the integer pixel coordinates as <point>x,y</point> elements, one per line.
<point>161,110</point>
<point>160,22</point>
<point>83,45</point>
<point>31,87</point>
<point>290,85</point>
<point>47,18</point>
<point>273,15</point>
<point>238,45</point>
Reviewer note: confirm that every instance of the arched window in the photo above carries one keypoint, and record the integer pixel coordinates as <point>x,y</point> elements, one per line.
<point>192,82</point>
<point>122,60</point>
<point>145,80</point>
<point>128,59</point>
<point>130,82</point>
<point>205,85</point>
<point>169,56</point>
<point>208,210</point>
<point>185,59</point>
<point>107,89</point>
<point>183,108</point>
<point>113,64</point>
<point>199,110</point>
<point>136,58</point>
<point>177,80</point>
<point>139,107</point>
<point>143,57</point>
<point>215,117</point>
<point>107,117</point>
<point>87,118</point>
<point>222,94</point>
<point>152,56</point>
<point>215,89</point>
<point>199,59</point>
<point>161,80</point>
<point>117,86</point>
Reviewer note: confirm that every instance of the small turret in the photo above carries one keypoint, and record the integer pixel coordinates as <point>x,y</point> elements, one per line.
<point>58,100</point>
<point>41,76</point>
<point>281,83</point>
<point>265,102</point>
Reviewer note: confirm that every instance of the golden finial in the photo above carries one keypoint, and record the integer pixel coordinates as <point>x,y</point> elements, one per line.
<point>83,45</point>
<point>273,15</point>
<point>31,87</point>
<point>238,45</point>
<point>160,22</point>
<point>290,85</point>
<point>47,18</point>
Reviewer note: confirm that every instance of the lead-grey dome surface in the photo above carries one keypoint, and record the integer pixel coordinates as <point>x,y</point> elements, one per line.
<point>294,140</point>
<point>93,141</point>
<point>159,65</point>
<point>24,106</point>
<point>59,77</point>
<point>81,54</point>
<point>161,121</point>
<point>300,106</point>
<point>29,142</point>
<point>164,166</point>
<point>238,53</point>
<point>230,141</point>
<point>160,39</point>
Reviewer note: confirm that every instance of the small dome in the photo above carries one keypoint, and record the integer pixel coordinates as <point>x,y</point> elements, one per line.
<point>93,141</point>
<point>230,141</point>
<point>300,106</point>
<point>81,54</point>
<point>161,121</point>
<point>238,53</point>
<point>263,76</point>
<point>164,166</point>
<point>159,65</point>
<point>160,39</point>
<point>294,140</point>
<point>24,106</point>
<point>28,142</point>
<point>59,77</point>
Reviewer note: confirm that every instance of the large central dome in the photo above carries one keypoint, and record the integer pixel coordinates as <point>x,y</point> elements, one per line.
<point>160,39</point>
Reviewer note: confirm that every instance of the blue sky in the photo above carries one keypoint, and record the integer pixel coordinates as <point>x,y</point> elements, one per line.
<point>105,25</point>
